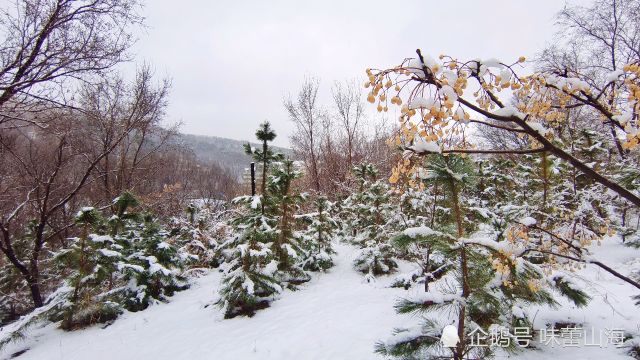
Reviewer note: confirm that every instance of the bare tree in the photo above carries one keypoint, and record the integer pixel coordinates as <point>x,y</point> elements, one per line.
<point>349,108</point>
<point>49,168</point>
<point>115,105</point>
<point>594,42</point>
<point>308,115</point>
<point>49,44</point>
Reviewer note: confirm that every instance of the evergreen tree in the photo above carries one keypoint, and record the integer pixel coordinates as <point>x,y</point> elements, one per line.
<point>288,246</point>
<point>484,275</point>
<point>265,156</point>
<point>120,264</point>
<point>250,281</point>
<point>199,235</point>
<point>369,224</point>
<point>159,274</point>
<point>318,236</point>
<point>93,259</point>
<point>629,176</point>
<point>267,251</point>
<point>153,267</point>
<point>417,208</point>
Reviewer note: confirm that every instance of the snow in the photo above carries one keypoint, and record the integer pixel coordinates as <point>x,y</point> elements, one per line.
<point>502,246</point>
<point>613,76</point>
<point>403,336</point>
<point>84,210</point>
<point>528,221</point>
<point>109,253</point>
<point>100,238</point>
<point>414,66</point>
<point>450,336</point>
<point>625,117</point>
<point>420,296</point>
<point>421,145</point>
<point>248,285</point>
<point>492,63</point>
<point>290,250</point>
<point>255,202</point>
<point>326,319</point>
<point>271,268</point>
<point>420,231</point>
<point>505,76</point>
<point>136,268</point>
<point>518,312</point>
<point>155,267</point>
<point>568,83</point>
<point>508,111</point>
<point>539,128</point>
<point>449,92</point>
<point>421,102</point>
<point>335,316</point>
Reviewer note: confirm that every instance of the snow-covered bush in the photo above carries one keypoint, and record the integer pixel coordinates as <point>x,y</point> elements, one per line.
<point>200,234</point>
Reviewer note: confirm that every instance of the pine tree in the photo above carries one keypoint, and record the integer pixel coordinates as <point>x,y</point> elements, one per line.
<point>153,266</point>
<point>124,263</point>
<point>629,176</point>
<point>265,156</point>
<point>250,280</point>
<point>288,246</point>
<point>368,215</point>
<point>318,236</point>
<point>93,259</point>
<point>266,251</point>
<point>484,275</point>
<point>198,236</point>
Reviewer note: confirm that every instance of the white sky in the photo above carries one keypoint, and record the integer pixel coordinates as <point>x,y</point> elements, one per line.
<point>233,62</point>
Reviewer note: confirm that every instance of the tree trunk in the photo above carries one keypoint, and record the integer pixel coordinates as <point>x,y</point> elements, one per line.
<point>459,352</point>
<point>34,288</point>
<point>263,185</point>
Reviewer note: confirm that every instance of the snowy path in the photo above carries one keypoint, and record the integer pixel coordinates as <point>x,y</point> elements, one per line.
<point>335,316</point>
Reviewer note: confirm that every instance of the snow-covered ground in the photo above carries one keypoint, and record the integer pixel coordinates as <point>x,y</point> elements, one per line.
<point>335,316</point>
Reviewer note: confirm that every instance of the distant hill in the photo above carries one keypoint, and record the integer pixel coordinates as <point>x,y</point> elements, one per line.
<point>227,153</point>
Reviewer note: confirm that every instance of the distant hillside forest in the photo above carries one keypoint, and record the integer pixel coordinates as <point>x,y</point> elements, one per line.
<point>227,153</point>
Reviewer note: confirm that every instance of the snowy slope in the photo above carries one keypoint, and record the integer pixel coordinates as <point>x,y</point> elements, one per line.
<point>335,316</point>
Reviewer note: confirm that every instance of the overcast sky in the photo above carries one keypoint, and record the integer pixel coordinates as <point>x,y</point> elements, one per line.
<point>233,62</point>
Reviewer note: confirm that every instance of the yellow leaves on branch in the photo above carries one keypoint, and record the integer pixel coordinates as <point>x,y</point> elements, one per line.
<point>545,98</point>
<point>403,170</point>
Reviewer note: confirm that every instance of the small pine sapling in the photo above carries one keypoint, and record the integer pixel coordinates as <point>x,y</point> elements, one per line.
<point>318,236</point>
<point>152,267</point>
<point>93,259</point>
<point>370,223</point>
<point>288,244</point>
<point>250,281</point>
